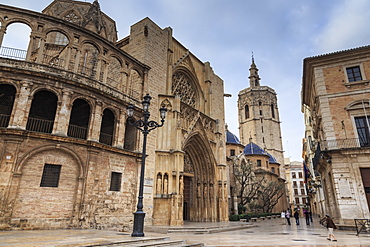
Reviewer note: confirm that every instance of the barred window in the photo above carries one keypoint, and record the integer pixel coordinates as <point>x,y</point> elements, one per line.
<point>115,182</point>
<point>50,175</point>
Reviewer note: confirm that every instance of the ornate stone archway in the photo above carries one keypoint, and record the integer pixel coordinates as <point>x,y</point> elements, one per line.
<point>200,197</point>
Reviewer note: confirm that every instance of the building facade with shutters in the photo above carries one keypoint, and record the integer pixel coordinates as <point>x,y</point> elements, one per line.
<point>68,156</point>
<point>336,106</point>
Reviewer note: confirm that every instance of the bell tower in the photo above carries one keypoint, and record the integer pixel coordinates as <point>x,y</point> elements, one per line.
<point>259,116</point>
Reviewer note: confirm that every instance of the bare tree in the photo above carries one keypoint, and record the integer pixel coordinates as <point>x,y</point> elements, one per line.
<point>249,183</point>
<point>253,187</point>
<point>270,194</point>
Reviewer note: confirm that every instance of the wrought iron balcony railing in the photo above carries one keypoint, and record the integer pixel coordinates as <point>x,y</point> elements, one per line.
<point>4,120</point>
<point>77,131</point>
<point>344,144</point>
<point>106,138</point>
<point>40,125</point>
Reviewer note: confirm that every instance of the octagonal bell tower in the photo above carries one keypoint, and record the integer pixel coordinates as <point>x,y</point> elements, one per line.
<point>259,116</point>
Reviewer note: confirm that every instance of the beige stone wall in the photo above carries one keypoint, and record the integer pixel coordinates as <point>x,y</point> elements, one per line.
<point>142,63</point>
<point>333,102</point>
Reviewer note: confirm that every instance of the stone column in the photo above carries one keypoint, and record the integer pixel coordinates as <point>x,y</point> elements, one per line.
<point>120,129</point>
<point>2,33</point>
<point>21,107</point>
<point>63,114</point>
<point>95,123</point>
<point>40,54</point>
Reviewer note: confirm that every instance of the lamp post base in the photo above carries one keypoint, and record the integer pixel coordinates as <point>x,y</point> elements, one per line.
<point>138,230</point>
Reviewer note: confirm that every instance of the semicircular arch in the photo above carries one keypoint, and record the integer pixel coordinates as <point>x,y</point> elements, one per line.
<point>23,160</point>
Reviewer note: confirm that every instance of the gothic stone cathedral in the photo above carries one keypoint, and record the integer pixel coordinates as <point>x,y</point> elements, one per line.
<point>69,158</point>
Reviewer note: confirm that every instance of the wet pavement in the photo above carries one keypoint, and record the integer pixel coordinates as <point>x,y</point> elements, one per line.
<point>269,232</point>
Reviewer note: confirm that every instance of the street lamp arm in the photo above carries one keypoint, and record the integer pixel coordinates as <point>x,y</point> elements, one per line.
<point>145,126</point>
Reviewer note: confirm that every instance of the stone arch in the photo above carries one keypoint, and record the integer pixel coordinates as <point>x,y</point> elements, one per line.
<point>186,85</point>
<point>80,119</point>
<point>7,99</point>
<point>200,204</point>
<point>42,111</point>
<point>54,204</point>
<point>89,58</point>
<point>18,33</point>
<point>136,83</point>
<point>55,50</point>
<point>114,76</point>
<point>107,127</point>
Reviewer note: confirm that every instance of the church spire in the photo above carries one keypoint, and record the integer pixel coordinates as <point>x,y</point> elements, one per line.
<point>254,79</point>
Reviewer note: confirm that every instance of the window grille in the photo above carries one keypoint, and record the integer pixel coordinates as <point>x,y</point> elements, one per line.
<point>115,182</point>
<point>50,175</point>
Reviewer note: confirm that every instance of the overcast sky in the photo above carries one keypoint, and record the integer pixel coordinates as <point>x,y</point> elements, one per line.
<point>280,33</point>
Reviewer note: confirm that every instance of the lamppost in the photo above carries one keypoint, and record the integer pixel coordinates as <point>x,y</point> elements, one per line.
<point>145,126</point>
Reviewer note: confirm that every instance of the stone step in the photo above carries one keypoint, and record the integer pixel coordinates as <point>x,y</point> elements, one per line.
<point>157,241</point>
<point>207,230</point>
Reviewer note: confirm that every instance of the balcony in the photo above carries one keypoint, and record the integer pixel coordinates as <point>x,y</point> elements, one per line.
<point>344,144</point>
<point>4,120</point>
<point>13,53</point>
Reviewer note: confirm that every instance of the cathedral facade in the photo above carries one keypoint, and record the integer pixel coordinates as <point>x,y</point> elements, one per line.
<point>68,156</point>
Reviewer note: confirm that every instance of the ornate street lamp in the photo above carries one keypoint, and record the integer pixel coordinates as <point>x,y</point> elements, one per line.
<point>145,126</point>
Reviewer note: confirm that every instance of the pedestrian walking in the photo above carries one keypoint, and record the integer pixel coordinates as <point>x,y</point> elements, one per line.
<point>331,226</point>
<point>307,216</point>
<point>296,216</point>
<point>282,216</point>
<point>287,216</point>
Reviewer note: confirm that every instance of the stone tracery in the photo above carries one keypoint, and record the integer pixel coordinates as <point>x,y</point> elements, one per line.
<point>182,86</point>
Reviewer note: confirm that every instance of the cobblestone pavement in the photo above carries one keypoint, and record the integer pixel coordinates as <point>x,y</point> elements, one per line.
<point>263,233</point>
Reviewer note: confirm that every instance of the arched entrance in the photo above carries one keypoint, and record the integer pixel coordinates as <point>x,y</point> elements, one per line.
<point>200,198</point>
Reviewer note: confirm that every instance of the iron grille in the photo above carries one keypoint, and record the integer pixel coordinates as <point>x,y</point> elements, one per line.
<point>115,182</point>
<point>50,175</point>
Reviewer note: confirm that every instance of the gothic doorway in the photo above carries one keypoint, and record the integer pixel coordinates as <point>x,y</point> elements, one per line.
<point>200,200</point>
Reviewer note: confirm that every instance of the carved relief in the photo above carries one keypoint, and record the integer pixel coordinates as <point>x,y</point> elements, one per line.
<point>188,166</point>
<point>72,17</point>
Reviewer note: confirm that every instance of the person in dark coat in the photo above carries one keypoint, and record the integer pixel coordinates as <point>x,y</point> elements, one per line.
<point>296,216</point>
<point>331,226</point>
<point>307,216</point>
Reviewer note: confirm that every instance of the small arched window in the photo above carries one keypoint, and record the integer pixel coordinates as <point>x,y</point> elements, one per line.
<point>42,112</point>
<point>246,109</point>
<point>107,127</point>
<point>7,95</point>
<point>79,121</point>
<point>130,137</point>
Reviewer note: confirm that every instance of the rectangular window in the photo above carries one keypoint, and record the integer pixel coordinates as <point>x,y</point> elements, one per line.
<point>362,130</point>
<point>303,192</point>
<point>258,163</point>
<point>232,152</point>
<point>115,181</point>
<point>300,174</point>
<point>295,191</point>
<point>354,74</point>
<point>301,183</point>
<point>293,175</point>
<point>295,183</point>
<point>297,201</point>
<point>50,175</point>
<point>273,169</point>
<point>304,200</point>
